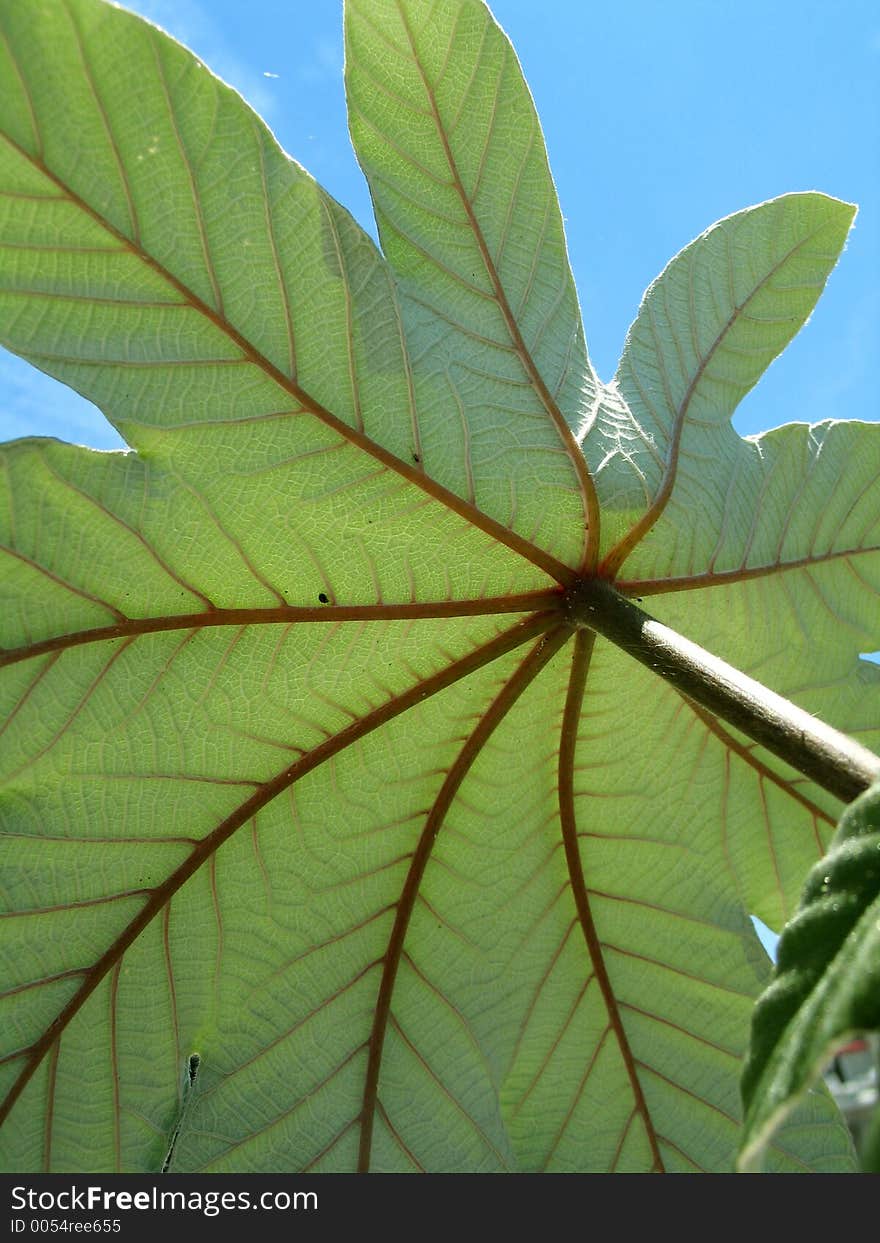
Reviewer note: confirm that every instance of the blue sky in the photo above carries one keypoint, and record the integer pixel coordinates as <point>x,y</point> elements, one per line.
<point>659,118</point>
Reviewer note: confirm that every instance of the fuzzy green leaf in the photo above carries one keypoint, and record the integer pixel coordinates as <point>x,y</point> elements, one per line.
<point>446,131</point>
<point>307,780</point>
<point>708,328</point>
<point>826,988</point>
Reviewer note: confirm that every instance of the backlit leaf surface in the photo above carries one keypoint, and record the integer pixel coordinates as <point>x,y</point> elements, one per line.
<point>329,844</point>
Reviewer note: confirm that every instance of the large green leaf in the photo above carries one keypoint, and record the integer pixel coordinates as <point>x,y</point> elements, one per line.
<point>330,843</point>
<point>826,987</point>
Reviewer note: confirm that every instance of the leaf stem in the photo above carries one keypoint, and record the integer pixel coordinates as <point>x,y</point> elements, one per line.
<point>833,760</point>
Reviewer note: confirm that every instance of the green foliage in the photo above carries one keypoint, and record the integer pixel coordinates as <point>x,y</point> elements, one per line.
<point>305,771</point>
<point>870,1152</point>
<point>826,987</point>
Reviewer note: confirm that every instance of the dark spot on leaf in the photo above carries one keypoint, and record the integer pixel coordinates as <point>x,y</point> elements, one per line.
<point>192,1068</point>
<point>323,597</point>
<point>416,458</point>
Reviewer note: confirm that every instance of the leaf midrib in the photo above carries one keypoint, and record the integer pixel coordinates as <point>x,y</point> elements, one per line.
<point>580,669</point>
<point>507,641</point>
<point>287,614</point>
<point>490,719</point>
<point>744,574</point>
<point>615,558</point>
<point>539,557</point>
<point>573,450</point>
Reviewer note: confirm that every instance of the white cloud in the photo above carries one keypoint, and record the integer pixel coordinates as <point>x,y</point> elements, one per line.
<point>190,22</point>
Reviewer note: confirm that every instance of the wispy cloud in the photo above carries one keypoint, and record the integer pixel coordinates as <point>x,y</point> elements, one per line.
<point>324,63</point>
<point>190,22</point>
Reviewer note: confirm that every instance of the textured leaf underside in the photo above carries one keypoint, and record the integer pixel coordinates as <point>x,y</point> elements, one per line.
<point>826,988</point>
<point>307,782</point>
